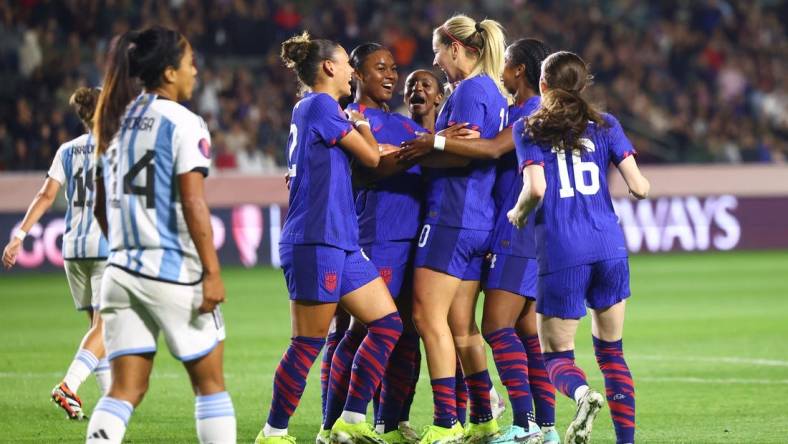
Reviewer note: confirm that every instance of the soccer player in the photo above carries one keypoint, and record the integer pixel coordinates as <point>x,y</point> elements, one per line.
<point>84,249</point>
<point>163,272</point>
<point>457,227</point>
<point>321,258</point>
<point>509,278</point>
<point>565,149</point>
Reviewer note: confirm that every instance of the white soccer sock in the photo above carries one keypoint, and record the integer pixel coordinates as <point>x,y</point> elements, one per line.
<point>79,370</point>
<point>108,421</point>
<point>273,431</point>
<point>580,392</point>
<point>380,428</point>
<point>215,418</point>
<point>353,417</point>
<point>103,376</point>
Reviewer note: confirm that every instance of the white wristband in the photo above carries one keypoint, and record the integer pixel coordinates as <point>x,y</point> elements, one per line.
<point>20,234</point>
<point>439,143</point>
<point>359,123</point>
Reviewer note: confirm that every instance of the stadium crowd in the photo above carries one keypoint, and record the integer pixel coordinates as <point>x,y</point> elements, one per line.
<point>692,81</point>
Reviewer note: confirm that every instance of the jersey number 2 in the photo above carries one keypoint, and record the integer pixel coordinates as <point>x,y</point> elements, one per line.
<point>579,169</point>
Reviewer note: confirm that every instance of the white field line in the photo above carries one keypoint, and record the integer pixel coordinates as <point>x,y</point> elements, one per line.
<point>711,359</point>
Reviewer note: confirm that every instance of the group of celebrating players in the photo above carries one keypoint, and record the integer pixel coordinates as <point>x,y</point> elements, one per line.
<point>394,225</point>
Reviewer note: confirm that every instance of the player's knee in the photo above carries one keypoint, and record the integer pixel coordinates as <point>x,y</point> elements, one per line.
<point>491,322</point>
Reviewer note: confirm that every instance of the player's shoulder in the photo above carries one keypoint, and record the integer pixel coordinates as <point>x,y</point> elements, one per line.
<point>475,85</point>
<point>80,142</point>
<point>321,102</point>
<point>178,114</point>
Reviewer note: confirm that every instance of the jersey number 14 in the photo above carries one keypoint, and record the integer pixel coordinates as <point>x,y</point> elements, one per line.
<point>580,169</point>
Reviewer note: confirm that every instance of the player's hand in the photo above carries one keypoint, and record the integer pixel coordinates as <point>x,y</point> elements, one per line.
<point>517,217</point>
<point>10,252</point>
<point>212,292</point>
<point>386,149</point>
<point>418,147</point>
<point>354,116</point>
<point>459,131</point>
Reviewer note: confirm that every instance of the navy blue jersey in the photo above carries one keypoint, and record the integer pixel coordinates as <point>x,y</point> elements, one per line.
<point>506,238</point>
<point>461,197</point>
<point>321,195</point>
<point>390,209</point>
<point>575,224</point>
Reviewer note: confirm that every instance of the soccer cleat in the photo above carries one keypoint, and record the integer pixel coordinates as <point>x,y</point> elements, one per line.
<point>579,430</point>
<point>482,432</point>
<point>361,433</point>
<point>395,437</point>
<point>262,439</point>
<point>497,403</point>
<point>550,436</point>
<point>323,436</point>
<point>68,401</point>
<point>517,434</point>
<point>408,432</point>
<point>434,434</point>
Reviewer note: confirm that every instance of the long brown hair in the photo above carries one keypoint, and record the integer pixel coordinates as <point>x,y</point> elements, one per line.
<point>135,57</point>
<point>564,114</point>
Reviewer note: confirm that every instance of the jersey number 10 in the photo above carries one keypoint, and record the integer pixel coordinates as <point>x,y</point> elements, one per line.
<point>579,169</point>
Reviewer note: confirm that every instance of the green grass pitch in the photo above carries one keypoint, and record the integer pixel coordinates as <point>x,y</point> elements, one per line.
<point>706,339</point>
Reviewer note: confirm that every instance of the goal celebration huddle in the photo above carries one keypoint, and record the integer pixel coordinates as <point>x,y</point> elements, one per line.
<point>494,180</point>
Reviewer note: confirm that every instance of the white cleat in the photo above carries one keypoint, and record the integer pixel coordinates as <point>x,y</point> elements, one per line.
<point>497,404</point>
<point>579,430</point>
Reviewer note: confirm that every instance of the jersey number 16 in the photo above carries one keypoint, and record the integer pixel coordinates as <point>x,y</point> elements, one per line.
<point>579,169</point>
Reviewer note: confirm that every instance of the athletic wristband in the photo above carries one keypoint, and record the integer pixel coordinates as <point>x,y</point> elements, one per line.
<point>439,143</point>
<point>359,123</point>
<point>20,234</point>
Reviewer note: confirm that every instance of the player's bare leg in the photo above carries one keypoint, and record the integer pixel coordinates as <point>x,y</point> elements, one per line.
<point>214,410</point>
<point>469,344</point>
<point>89,357</point>
<point>558,341</point>
<point>131,374</point>
<point>372,305</point>
<point>433,293</point>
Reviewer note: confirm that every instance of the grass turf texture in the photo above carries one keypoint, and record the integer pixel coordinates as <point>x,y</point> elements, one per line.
<point>705,340</point>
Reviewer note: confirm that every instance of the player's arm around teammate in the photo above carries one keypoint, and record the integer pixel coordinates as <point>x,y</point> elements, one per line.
<point>565,149</point>
<point>164,273</point>
<point>321,258</point>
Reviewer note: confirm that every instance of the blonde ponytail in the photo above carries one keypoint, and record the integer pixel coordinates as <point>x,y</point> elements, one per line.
<point>484,40</point>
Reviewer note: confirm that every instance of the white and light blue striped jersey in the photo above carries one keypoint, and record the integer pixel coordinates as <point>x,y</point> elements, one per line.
<point>158,140</point>
<point>73,168</point>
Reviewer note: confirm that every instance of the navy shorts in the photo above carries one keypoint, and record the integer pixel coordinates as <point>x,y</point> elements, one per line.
<point>566,293</point>
<point>458,252</point>
<point>321,273</point>
<point>514,274</point>
<point>394,261</point>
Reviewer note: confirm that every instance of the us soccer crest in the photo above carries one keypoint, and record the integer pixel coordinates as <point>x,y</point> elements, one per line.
<point>386,273</point>
<point>330,281</point>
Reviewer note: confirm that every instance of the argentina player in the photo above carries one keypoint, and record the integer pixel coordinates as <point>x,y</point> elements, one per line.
<point>84,249</point>
<point>565,149</point>
<point>163,272</point>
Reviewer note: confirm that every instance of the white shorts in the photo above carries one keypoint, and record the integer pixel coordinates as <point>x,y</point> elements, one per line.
<point>135,309</point>
<point>84,280</point>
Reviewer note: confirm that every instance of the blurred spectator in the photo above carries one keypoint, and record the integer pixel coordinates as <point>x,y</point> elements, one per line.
<point>703,81</point>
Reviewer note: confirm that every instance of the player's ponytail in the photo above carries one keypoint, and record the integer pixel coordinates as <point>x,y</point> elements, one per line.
<point>84,100</point>
<point>482,40</point>
<point>135,57</point>
<point>564,114</point>
<point>304,55</point>
<point>530,53</point>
